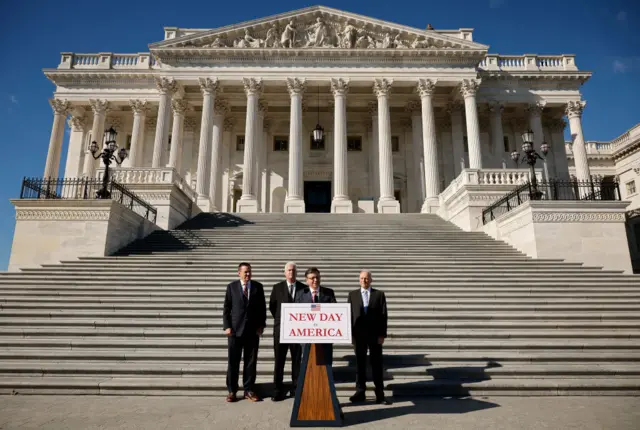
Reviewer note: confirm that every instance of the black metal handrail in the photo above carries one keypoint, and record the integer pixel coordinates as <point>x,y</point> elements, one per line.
<point>551,190</point>
<point>85,189</point>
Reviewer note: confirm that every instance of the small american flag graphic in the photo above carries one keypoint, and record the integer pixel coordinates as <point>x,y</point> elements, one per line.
<point>315,307</point>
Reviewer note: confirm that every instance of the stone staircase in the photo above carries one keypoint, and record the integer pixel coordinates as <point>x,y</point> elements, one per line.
<point>467,315</point>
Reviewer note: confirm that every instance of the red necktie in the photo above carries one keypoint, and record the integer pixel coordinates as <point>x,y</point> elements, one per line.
<point>315,297</point>
<point>244,291</point>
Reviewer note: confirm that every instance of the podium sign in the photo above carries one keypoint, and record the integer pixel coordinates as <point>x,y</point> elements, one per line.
<point>315,323</point>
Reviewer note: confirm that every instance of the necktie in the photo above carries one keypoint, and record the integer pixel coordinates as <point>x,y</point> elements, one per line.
<point>291,291</point>
<point>365,300</point>
<point>245,290</point>
<point>315,297</point>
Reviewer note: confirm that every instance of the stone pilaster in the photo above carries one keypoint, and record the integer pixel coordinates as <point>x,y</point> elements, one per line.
<point>140,109</point>
<point>209,88</point>
<point>468,89</point>
<point>497,132</point>
<point>295,198</point>
<point>341,202</point>
<point>416,187</point>
<point>221,108</point>
<point>574,113</point>
<point>457,137</point>
<point>100,109</point>
<point>166,87</point>
<point>77,137</point>
<point>387,202</point>
<point>179,107</point>
<point>228,125</point>
<point>535,123</point>
<point>426,89</point>
<point>374,160</point>
<point>61,109</point>
<point>248,202</point>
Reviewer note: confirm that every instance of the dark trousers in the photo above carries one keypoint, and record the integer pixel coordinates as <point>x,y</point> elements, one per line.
<point>248,344</point>
<point>375,352</point>
<point>280,351</point>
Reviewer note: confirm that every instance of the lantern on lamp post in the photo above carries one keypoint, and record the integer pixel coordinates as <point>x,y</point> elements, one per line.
<point>530,157</point>
<point>108,155</point>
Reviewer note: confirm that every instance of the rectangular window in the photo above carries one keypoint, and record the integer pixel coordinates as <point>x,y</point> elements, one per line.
<point>505,140</point>
<point>280,143</point>
<point>466,144</point>
<point>354,143</point>
<point>631,188</point>
<point>395,144</point>
<point>316,146</point>
<point>240,143</point>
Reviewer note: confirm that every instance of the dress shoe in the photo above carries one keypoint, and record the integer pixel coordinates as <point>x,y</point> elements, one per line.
<point>231,397</point>
<point>359,396</point>
<point>278,397</point>
<point>382,400</point>
<point>250,395</point>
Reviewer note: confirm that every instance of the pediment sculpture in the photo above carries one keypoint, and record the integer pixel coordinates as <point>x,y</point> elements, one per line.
<point>319,33</point>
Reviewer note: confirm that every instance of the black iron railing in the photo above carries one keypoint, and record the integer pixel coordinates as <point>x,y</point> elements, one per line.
<point>551,190</point>
<point>85,189</point>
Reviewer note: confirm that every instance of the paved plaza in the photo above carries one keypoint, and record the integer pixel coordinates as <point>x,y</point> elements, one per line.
<point>157,413</point>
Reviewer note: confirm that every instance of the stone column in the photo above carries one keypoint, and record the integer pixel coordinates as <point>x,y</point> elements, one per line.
<point>468,88</point>
<point>387,202</point>
<point>416,186</point>
<point>179,107</point>
<point>61,109</point>
<point>374,158</point>
<point>425,89</point>
<point>341,202</point>
<point>221,108</point>
<point>100,109</point>
<point>228,125</point>
<point>497,132</point>
<point>457,137</point>
<point>77,139</point>
<point>140,109</point>
<point>264,162</point>
<point>518,126</point>
<point>209,88</point>
<point>574,113</point>
<point>248,202</point>
<point>188,138</point>
<point>167,87</point>
<point>535,123</point>
<point>259,150</point>
<point>558,162</point>
<point>295,197</point>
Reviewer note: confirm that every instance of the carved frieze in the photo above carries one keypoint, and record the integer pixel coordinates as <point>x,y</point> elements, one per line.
<point>578,217</point>
<point>62,215</point>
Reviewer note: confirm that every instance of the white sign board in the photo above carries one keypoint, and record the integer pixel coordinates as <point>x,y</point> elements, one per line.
<point>315,323</point>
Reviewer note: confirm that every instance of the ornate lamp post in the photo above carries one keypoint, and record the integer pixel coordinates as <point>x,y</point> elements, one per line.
<point>317,135</point>
<point>109,148</point>
<point>530,157</point>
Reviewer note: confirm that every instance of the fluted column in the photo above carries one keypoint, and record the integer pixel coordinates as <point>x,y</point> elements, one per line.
<point>77,137</point>
<point>228,125</point>
<point>416,188</point>
<point>166,87</point>
<point>559,167</point>
<point>425,89</point>
<point>457,136</point>
<point>179,107</point>
<point>263,108</point>
<point>221,108</point>
<point>264,162</point>
<point>248,202</point>
<point>341,202</point>
<point>295,197</point>
<point>140,109</point>
<point>61,109</point>
<point>374,158</point>
<point>574,113</point>
<point>387,202</point>
<point>100,109</point>
<point>468,88</point>
<point>497,132</point>
<point>209,88</point>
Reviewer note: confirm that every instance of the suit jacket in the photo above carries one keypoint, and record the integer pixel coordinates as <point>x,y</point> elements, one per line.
<point>280,295</point>
<point>373,324</point>
<point>242,315</point>
<point>326,295</point>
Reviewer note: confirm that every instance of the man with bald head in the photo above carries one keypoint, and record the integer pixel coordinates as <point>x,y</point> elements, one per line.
<point>284,292</point>
<point>368,330</point>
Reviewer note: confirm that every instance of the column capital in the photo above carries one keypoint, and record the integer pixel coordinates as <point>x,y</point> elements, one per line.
<point>495,107</point>
<point>373,108</point>
<point>535,109</point>
<point>221,106</point>
<point>78,123</point>
<point>469,87</point>
<point>413,107</point>
<point>382,87</point>
<point>99,107</point>
<point>426,87</point>
<point>139,107</point>
<point>339,87</point>
<point>575,108</point>
<point>179,106</point>
<point>209,85</point>
<point>305,105</point>
<point>252,86</point>
<point>60,107</point>
<point>296,86</point>
<point>190,123</point>
<point>166,85</point>
<point>229,123</point>
<point>263,107</point>
<point>368,124</point>
<point>454,107</point>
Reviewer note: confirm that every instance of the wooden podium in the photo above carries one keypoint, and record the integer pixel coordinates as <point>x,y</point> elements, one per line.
<point>316,403</point>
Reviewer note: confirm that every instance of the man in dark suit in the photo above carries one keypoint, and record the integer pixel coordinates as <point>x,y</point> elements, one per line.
<point>284,292</point>
<point>244,318</point>
<point>369,329</point>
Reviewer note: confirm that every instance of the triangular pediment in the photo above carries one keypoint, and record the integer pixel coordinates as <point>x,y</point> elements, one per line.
<point>318,27</point>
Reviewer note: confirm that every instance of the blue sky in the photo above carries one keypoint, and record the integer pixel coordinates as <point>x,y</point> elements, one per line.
<point>34,32</point>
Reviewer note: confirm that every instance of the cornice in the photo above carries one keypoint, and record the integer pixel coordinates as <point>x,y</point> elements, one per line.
<point>520,76</point>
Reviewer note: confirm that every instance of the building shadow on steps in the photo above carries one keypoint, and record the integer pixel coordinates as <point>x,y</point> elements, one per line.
<point>344,374</point>
<point>166,241</point>
<point>210,221</point>
<point>414,406</point>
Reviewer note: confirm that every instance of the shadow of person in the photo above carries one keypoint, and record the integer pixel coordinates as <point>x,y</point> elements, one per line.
<point>414,406</point>
<point>346,374</point>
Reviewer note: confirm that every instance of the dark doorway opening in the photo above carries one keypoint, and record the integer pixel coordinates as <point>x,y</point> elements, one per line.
<point>317,196</point>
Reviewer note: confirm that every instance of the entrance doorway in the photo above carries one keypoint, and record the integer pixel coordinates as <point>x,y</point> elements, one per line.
<point>317,196</point>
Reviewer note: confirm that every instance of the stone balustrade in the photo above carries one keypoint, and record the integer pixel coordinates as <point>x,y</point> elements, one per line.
<point>150,175</point>
<point>106,60</point>
<point>489,178</point>
<point>593,148</point>
<point>621,143</point>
